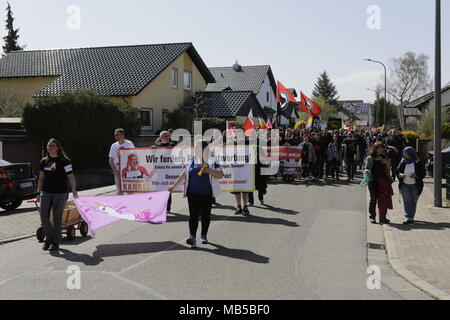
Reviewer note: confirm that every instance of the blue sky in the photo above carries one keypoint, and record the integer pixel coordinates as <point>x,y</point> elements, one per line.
<point>298,38</point>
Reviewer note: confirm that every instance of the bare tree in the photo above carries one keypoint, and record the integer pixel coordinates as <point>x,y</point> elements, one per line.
<point>409,79</point>
<point>198,104</point>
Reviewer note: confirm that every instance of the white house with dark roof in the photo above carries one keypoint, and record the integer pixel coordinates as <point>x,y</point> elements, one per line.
<point>156,78</point>
<point>257,79</point>
<point>414,110</point>
<point>232,105</point>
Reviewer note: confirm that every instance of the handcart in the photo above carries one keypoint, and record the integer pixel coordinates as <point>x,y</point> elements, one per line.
<point>71,221</point>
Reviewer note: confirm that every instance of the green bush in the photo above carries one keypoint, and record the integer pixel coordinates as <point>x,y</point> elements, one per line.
<point>446,130</point>
<point>83,123</point>
<point>426,123</point>
<point>179,119</point>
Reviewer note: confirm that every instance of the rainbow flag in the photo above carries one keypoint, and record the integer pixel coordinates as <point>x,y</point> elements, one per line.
<point>310,122</point>
<point>262,123</point>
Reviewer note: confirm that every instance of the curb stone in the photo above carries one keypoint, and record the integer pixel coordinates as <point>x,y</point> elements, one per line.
<point>378,250</point>
<point>400,269</point>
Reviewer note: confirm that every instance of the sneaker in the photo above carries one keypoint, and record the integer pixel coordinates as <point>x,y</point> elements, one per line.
<point>385,221</point>
<point>54,247</point>
<point>409,222</point>
<point>250,204</point>
<point>262,202</point>
<point>46,246</point>
<point>373,221</point>
<point>191,241</point>
<point>238,211</point>
<point>246,211</point>
<point>204,240</point>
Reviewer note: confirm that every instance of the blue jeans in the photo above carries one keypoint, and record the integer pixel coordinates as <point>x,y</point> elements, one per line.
<point>53,229</point>
<point>410,196</point>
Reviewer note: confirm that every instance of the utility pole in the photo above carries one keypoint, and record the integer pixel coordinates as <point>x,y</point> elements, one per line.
<point>437,113</point>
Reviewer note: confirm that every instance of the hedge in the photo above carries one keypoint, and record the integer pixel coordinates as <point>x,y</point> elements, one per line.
<point>84,123</point>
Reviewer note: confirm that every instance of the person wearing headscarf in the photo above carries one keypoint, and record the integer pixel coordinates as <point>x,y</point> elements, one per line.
<point>410,172</point>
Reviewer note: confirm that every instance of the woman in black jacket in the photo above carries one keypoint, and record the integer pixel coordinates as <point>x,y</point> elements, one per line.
<point>410,172</point>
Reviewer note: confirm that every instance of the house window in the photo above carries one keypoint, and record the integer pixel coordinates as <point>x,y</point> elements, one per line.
<point>188,80</point>
<point>146,119</point>
<point>174,78</point>
<point>165,118</point>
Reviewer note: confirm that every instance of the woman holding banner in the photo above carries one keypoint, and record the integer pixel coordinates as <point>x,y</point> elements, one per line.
<point>200,187</point>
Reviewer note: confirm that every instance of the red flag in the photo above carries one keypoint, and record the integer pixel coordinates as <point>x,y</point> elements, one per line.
<point>249,127</point>
<point>307,105</point>
<point>284,93</point>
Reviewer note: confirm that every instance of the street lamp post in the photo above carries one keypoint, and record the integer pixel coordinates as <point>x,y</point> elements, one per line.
<point>377,120</point>
<point>437,113</point>
<point>385,89</point>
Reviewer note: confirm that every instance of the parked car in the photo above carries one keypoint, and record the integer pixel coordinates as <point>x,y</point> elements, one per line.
<point>445,161</point>
<point>17,183</point>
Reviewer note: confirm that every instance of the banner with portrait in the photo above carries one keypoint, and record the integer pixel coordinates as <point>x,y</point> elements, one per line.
<point>152,169</point>
<point>156,169</point>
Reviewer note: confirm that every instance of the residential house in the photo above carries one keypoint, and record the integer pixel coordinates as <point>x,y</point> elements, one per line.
<point>156,78</point>
<point>233,106</point>
<point>414,110</point>
<point>362,112</point>
<point>257,79</point>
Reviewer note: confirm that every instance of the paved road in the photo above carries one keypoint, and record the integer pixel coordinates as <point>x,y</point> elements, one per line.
<point>307,243</point>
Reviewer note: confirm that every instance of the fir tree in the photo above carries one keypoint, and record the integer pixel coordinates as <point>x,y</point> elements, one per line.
<point>11,40</point>
<point>326,89</point>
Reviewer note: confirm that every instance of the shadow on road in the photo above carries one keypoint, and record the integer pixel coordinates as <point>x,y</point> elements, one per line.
<point>126,249</point>
<point>175,217</point>
<point>421,225</point>
<point>4,213</point>
<point>278,210</point>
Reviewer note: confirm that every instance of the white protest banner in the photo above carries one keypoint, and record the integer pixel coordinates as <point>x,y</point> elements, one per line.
<point>238,164</point>
<point>156,169</point>
<point>152,169</point>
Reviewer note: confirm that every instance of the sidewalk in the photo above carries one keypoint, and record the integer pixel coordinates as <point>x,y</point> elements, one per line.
<point>24,222</point>
<point>421,252</point>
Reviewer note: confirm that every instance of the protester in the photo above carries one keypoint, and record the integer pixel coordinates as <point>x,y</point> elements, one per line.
<point>308,157</point>
<point>296,139</point>
<point>334,157</point>
<point>351,155</point>
<point>200,186</point>
<point>410,173</point>
<point>164,142</point>
<point>395,143</point>
<point>361,137</point>
<point>260,180</point>
<point>55,170</point>
<point>377,169</point>
<point>321,153</point>
<point>121,143</point>
<point>327,138</point>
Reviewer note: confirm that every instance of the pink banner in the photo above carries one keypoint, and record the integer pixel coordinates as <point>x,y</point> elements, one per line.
<point>99,212</point>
